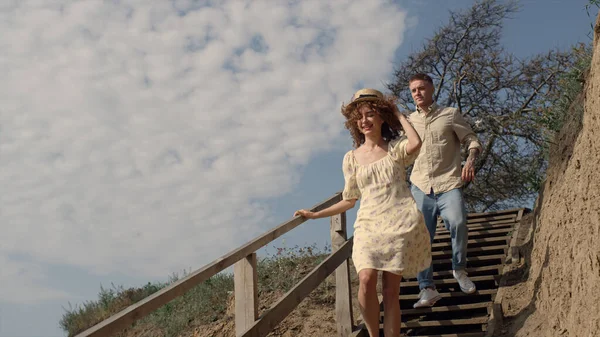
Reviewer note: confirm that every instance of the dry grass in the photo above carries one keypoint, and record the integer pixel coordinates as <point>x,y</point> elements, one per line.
<point>206,302</point>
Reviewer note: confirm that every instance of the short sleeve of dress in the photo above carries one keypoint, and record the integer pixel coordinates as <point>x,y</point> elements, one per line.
<point>351,190</point>
<point>398,151</point>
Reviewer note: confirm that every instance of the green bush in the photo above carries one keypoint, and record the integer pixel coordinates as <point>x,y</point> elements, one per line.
<point>571,86</point>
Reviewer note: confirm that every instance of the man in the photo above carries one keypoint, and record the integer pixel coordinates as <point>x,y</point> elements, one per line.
<point>437,179</point>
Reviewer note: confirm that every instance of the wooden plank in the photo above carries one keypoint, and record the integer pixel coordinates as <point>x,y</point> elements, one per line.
<point>437,274</point>
<point>444,322</point>
<point>292,298</point>
<point>496,315</point>
<point>136,311</point>
<point>343,293</point>
<point>502,212</point>
<point>469,270</point>
<point>520,214</point>
<point>513,252</point>
<point>484,223</point>
<point>477,233</point>
<point>496,319</point>
<point>469,250</point>
<point>480,240</point>
<point>462,334</point>
<point>513,219</point>
<point>473,258</point>
<point>447,308</point>
<point>452,294</point>
<point>492,219</point>
<point>245,277</point>
<point>449,281</point>
<point>489,218</point>
<point>492,222</point>
<point>480,227</point>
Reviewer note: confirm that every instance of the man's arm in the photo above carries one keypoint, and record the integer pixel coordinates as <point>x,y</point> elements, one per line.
<point>468,172</point>
<point>466,136</point>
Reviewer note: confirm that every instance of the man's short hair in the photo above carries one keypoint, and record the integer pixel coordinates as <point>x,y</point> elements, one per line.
<point>420,76</point>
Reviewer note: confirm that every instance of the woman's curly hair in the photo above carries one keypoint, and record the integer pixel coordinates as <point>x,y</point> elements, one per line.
<point>386,108</point>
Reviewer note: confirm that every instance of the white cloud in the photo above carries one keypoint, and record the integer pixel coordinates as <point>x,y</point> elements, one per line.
<point>140,136</point>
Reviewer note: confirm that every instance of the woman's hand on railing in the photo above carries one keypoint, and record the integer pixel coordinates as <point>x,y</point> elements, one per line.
<point>335,209</point>
<point>306,214</point>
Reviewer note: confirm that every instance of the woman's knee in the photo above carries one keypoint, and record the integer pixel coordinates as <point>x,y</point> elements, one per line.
<point>367,278</point>
<point>390,286</point>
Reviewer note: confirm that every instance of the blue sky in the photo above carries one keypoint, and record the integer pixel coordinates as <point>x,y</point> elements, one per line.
<point>142,138</point>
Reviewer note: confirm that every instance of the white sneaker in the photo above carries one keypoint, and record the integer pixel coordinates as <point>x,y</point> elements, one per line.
<point>427,298</point>
<point>466,285</point>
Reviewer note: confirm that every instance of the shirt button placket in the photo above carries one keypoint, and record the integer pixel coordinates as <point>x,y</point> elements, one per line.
<point>429,158</point>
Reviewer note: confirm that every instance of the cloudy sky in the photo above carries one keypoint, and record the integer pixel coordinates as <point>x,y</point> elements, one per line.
<point>141,138</point>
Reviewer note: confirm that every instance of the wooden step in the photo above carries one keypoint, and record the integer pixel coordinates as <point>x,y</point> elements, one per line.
<point>493,213</point>
<point>491,218</point>
<point>473,258</point>
<point>477,233</point>
<point>480,240</point>
<point>447,308</point>
<point>509,217</point>
<point>445,322</point>
<point>362,332</point>
<point>469,270</point>
<point>409,297</point>
<point>465,334</point>
<point>470,250</point>
<point>450,280</point>
<point>442,225</point>
<point>437,274</point>
<point>448,273</point>
<point>478,228</point>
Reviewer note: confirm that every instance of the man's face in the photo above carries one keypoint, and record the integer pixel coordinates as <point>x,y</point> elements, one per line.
<point>422,93</point>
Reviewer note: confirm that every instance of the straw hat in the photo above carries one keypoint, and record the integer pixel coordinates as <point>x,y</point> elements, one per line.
<point>363,95</point>
<point>366,94</point>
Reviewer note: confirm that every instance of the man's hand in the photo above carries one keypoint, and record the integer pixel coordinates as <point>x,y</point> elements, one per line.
<point>468,171</point>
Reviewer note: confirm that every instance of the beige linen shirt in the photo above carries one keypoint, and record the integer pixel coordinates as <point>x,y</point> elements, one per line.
<point>438,165</point>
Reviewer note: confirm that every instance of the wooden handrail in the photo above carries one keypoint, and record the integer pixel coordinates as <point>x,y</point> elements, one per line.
<point>139,310</point>
<point>292,298</point>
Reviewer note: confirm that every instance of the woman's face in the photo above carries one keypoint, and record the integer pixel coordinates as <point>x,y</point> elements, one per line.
<point>369,121</point>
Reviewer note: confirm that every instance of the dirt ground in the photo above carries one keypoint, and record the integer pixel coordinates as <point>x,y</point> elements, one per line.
<point>313,317</point>
<point>553,292</point>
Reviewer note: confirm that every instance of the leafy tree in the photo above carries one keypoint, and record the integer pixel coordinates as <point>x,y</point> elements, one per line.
<point>503,97</point>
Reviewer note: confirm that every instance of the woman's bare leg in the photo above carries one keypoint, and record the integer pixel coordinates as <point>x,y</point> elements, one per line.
<point>367,299</point>
<point>391,304</point>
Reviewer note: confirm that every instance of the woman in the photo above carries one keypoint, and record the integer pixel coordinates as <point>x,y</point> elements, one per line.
<point>389,232</point>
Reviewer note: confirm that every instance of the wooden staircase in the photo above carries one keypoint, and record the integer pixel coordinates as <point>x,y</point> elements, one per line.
<point>457,314</point>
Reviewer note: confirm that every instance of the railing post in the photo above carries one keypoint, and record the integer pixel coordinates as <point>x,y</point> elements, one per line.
<point>245,278</point>
<point>343,294</point>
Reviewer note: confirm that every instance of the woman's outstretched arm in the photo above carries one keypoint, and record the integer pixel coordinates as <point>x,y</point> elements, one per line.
<point>335,209</point>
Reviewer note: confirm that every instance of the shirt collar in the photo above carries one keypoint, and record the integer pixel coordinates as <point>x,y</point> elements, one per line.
<point>431,108</point>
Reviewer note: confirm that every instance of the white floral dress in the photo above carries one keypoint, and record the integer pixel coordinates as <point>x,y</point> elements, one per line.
<point>389,232</point>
